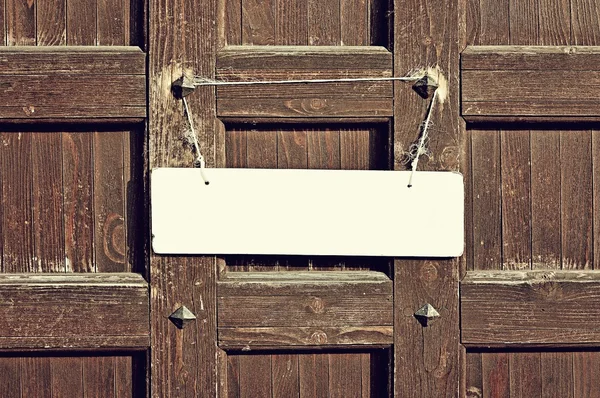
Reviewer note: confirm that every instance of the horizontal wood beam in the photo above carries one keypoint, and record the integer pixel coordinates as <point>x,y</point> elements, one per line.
<point>528,83</point>
<point>530,308</point>
<point>265,309</point>
<point>339,99</point>
<point>74,311</point>
<point>72,84</point>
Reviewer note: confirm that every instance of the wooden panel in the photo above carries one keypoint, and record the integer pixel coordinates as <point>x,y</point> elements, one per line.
<point>47,188</point>
<point>67,377</point>
<point>557,374</point>
<point>495,375</point>
<point>529,83</point>
<point>15,186</point>
<point>358,99</point>
<point>284,369</point>
<point>530,308</point>
<point>73,83</point>
<point>525,380</point>
<point>81,22</point>
<point>105,310</point>
<point>324,22</point>
<point>304,308</point>
<point>20,22</point>
<point>258,22</point>
<point>313,371</point>
<point>51,29</point>
<point>255,376</point>
<point>182,33</point>
<point>290,22</point>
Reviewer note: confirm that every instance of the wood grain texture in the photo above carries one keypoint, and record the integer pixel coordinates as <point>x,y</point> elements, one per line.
<point>78,201</point>
<point>495,374</point>
<point>357,99</point>
<point>81,23</point>
<point>16,181</point>
<point>313,372</point>
<point>109,202</point>
<point>99,377</point>
<point>521,75</point>
<point>324,25</point>
<point>51,19</point>
<point>486,175</point>
<point>36,376</point>
<point>45,90</point>
<point>10,382</point>
<point>576,199</point>
<point>258,22</point>
<point>525,379</point>
<point>67,377</point>
<point>20,21</point>
<point>182,38</point>
<point>516,200</point>
<point>291,27</point>
<point>101,307</point>
<point>557,374</point>
<point>473,376</point>
<point>529,308</point>
<point>545,199</point>
<point>255,376</point>
<point>284,370</point>
<point>47,188</point>
<point>345,376</point>
<point>596,195</point>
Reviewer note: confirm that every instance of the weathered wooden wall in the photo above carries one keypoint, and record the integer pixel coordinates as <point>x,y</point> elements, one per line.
<point>67,196</point>
<point>534,192</point>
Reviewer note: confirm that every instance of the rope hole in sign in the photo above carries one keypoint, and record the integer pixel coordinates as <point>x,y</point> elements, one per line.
<point>428,82</point>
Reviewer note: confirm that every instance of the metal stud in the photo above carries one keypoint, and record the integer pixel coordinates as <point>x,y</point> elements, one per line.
<point>426,314</point>
<point>425,86</point>
<point>182,316</point>
<point>183,87</point>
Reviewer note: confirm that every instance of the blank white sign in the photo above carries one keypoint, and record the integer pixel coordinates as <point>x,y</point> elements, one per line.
<point>307,212</point>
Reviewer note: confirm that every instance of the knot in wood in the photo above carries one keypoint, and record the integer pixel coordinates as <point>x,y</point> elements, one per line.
<point>318,337</point>
<point>317,104</point>
<point>316,305</point>
<point>429,272</point>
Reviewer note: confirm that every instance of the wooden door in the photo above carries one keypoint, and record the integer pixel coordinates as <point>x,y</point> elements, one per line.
<point>74,304</point>
<point>276,326</point>
<point>528,300</point>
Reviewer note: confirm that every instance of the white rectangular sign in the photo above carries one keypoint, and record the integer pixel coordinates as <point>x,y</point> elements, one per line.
<point>307,212</point>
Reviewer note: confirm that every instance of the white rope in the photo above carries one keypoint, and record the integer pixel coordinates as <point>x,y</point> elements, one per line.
<point>199,161</point>
<point>200,81</point>
<point>421,146</point>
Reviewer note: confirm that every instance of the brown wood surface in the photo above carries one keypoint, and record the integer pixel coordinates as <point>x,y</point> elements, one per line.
<point>104,310</point>
<point>529,308</point>
<point>356,99</point>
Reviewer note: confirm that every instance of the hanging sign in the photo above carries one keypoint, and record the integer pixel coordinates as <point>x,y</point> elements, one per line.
<point>307,212</point>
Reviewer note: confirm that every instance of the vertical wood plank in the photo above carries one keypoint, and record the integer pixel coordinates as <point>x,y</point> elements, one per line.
<point>473,376</point>
<point>81,22</point>
<point>427,357</point>
<point>284,368</point>
<point>516,200</point>
<point>345,376</point>
<point>182,39</point>
<point>324,149</point>
<point>16,180</point>
<point>355,150</point>
<point>262,149</point>
<point>365,371</point>
<point>2,23</point>
<point>324,22</point>
<point>20,22</point>
<point>233,376</point>
<point>596,193</point>
<point>585,28</point>
<point>10,382</point>
<point>124,377</point>
<point>78,202</point>
<point>36,377</point>
<point>494,23</point>
<point>545,199</point>
<point>111,22</point>
<point>487,220</point>
<point>109,198</point>
<point>313,372</point>
<point>98,377</point>
<point>48,219</point>
<point>576,199</point>
<point>557,374</point>
<point>555,22</point>
<point>525,381</point>
<point>495,375</point>
<point>51,22</point>
<point>233,22</point>
<point>258,22</point>
<point>292,150</point>
<point>354,23</point>
<point>523,22</point>
<point>586,374</point>
<point>291,27</point>
<point>67,377</point>
<point>255,376</point>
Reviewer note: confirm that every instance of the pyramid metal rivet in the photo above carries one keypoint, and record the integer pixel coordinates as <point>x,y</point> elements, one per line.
<point>183,86</point>
<point>426,314</point>
<point>425,86</point>
<point>182,316</point>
